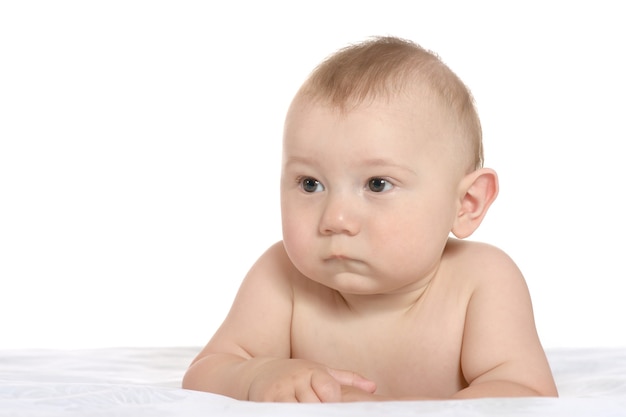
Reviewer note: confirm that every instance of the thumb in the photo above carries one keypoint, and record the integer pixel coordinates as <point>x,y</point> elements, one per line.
<point>352,379</point>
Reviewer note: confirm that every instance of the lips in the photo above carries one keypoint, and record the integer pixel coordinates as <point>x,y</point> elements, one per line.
<point>341,253</point>
<point>340,257</point>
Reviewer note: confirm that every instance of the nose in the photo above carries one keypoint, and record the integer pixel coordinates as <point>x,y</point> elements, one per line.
<point>339,216</point>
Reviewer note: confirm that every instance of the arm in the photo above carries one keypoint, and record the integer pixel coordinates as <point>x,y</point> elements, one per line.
<point>256,327</point>
<point>502,355</point>
<point>248,358</point>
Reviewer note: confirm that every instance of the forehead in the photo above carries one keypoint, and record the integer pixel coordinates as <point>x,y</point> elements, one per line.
<point>413,132</point>
<point>404,120</point>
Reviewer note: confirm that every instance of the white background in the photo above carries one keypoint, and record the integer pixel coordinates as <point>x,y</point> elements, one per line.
<point>140,147</point>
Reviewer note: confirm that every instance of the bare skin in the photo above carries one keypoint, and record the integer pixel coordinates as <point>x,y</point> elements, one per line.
<point>434,347</point>
<point>367,297</point>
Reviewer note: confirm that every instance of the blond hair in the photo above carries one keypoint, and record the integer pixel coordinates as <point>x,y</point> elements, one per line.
<point>384,66</point>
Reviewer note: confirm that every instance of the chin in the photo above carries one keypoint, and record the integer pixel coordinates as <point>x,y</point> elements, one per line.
<point>355,284</point>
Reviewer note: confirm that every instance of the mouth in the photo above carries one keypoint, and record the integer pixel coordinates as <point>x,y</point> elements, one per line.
<point>340,257</point>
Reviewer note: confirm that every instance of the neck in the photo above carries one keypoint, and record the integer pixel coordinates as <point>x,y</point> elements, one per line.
<point>401,301</point>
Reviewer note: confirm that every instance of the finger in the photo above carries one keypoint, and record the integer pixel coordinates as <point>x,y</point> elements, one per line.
<point>326,387</point>
<point>283,397</point>
<point>276,392</point>
<point>351,394</point>
<point>304,392</point>
<point>352,379</point>
<point>307,396</point>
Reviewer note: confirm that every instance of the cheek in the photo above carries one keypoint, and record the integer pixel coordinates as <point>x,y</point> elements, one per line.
<point>296,231</point>
<point>416,228</point>
<point>292,229</point>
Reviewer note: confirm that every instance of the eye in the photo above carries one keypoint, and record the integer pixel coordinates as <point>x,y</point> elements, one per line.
<point>378,185</point>
<point>311,185</point>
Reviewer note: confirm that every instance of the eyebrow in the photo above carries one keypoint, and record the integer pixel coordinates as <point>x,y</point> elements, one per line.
<point>383,162</point>
<point>372,162</point>
<point>299,159</point>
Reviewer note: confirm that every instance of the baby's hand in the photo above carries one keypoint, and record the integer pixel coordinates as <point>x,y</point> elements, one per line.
<point>296,380</point>
<point>352,394</point>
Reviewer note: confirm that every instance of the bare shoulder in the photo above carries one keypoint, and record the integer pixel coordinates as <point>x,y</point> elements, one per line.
<point>490,276</point>
<point>273,264</point>
<point>500,341</point>
<point>259,320</point>
<point>474,251</point>
<point>481,262</point>
<point>269,276</point>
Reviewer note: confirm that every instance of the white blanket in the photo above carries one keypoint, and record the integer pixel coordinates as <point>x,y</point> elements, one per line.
<point>146,381</point>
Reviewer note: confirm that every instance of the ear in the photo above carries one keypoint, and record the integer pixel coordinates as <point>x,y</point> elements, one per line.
<point>477,190</point>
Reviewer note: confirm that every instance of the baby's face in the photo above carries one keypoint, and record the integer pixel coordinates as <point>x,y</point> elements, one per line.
<point>369,196</point>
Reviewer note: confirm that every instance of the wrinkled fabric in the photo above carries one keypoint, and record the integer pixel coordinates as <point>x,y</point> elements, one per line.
<point>146,381</point>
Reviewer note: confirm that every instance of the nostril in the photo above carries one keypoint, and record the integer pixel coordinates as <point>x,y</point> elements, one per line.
<point>339,215</point>
<point>339,224</point>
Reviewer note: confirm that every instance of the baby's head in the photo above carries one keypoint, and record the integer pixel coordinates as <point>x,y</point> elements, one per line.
<point>387,68</point>
<point>382,160</point>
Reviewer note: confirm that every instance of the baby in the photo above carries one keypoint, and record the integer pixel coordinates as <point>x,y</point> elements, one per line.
<point>368,296</point>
